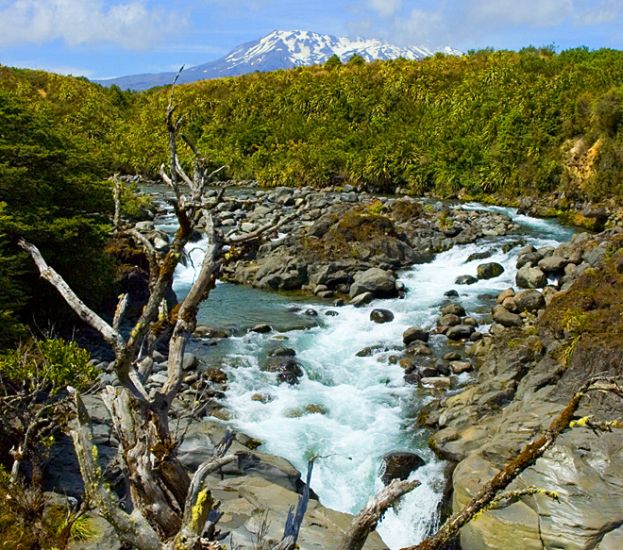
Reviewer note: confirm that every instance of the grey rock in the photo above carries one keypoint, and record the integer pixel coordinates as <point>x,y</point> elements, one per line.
<point>460,332</point>
<point>262,328</point>
<point>530,277</point>
<point>452,309</point>
<point>381,316</point>
<point>529,300</point>
<point>505,318</point>
<point>362,299</point>
<point>399,465</point>
<point>415,333</point>
<point>553,264</point>
<point>465,280</point>
<point>489,270</point>
<point>381,283</point>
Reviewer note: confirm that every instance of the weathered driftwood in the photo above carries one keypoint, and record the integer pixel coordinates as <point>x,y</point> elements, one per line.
<point>294,520</point>
<point>367,519</point>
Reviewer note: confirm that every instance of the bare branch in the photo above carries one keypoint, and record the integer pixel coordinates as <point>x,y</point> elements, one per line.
<point>366,520</point>
<point>131,528</point>
<point>186,320</point>
<point>120,311</point>
<point>214,172</point>
<point>267,228</point>
<point>294,520</point>
<point>116,193</point>
<point>505,499</point>
<point>82,310</point>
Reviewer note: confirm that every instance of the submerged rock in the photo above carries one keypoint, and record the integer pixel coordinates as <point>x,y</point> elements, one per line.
<point>381,316</point>
<point>399,465</point>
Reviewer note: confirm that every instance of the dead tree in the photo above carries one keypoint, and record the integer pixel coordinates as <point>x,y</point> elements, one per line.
<point>169,509</point>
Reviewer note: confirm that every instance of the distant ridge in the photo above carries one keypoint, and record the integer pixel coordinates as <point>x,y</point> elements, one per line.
<point>281,50</point>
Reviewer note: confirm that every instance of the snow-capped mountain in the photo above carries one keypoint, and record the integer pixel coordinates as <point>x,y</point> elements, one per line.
<point>282,50</point>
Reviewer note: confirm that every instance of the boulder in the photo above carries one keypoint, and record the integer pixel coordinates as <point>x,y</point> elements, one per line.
<point>261,328</point>
<point>529,300</point>
<point>452,309</point>
<point>415,333</point>
<point>381,316</point>
<point>288,370</point>
<point>530,277</point>
<point>399,465</point>
<point>282,351</point>
<point>479,256</point>
<point>489,270</point>
<point>553,264</point>
<point>362,299</point>
<point>381,283</point>
<point>505,318</point>
<point>460,332</point>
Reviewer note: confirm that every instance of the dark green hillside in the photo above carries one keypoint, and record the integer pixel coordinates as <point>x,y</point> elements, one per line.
<point>55,153</point>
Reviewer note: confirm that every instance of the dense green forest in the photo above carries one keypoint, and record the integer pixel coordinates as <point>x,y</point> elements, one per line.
<point>54,159</point>
<point>499,123</point>
<point>489,122</point>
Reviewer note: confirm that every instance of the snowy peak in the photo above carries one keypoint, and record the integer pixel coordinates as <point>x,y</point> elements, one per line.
<point>310,48</point>
<point>283,50</point>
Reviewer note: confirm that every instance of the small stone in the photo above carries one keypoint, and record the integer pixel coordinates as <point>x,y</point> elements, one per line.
<point>451,294</point>
<point>310,312</point>
<point>262,328</point>
<point>465,280</point>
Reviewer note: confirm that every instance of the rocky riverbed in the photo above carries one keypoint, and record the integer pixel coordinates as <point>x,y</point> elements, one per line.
<point>483,369</point>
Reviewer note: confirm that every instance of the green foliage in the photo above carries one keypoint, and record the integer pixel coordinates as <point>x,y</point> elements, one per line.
<point>488,123</point>
<point>53,194</point>
<point>55,362</point>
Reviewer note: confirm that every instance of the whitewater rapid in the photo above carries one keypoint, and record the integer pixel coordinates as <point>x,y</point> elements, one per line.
<point>352,410</point>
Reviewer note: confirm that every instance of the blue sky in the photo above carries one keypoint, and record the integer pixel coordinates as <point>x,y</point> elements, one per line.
<point>105,38</point>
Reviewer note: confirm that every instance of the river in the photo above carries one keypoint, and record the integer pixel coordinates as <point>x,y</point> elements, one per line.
<point>347,409</point>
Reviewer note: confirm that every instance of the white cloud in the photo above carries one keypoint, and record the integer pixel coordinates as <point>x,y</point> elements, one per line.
<point>597,13</point>
<point>130,23</point>
<point>385,8</point>
<point>527,12</point>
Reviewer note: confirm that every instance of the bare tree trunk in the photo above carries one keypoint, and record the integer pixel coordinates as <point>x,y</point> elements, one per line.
<point>365,521</point>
